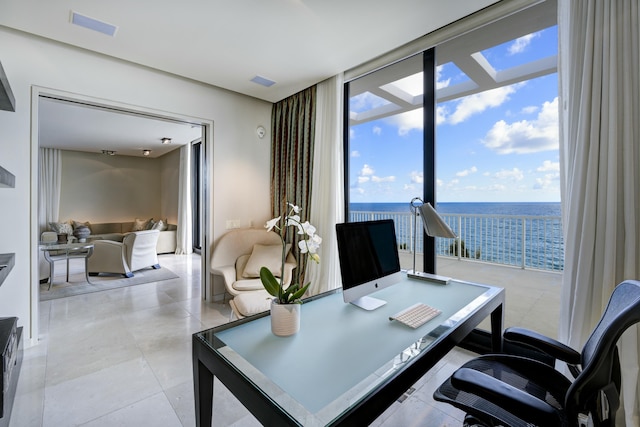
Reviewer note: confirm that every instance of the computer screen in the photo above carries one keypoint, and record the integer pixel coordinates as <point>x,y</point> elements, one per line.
<point>368,253</point>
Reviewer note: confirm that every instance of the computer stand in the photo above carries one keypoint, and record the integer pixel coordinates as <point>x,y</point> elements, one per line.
<point>368,303</point>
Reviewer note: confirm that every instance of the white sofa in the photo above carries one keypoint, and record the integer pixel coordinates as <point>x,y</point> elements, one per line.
<point>116,231</point>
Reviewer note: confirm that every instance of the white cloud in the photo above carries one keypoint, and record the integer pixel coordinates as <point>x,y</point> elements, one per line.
<point>521,43</point>
<point>367,170</point>
<point>530,109</point>
<point>355,153</point>
<point>363,179</point>
<point>466,172</point>
<point>365,101</point>
<point>406,122</point>
<point>377,130</point>
<point>441,83</point>
<point>514,174</point>
<point>549,166</point>
<point>390,178</point>
<point>479,102</point>
<point>417,177</point>
<point>526,136</point>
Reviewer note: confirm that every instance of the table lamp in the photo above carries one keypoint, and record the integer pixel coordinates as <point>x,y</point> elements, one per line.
<point>434,226</point>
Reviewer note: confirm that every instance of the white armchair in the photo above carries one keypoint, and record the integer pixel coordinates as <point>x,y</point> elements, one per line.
<point>136,251</point>
<point>237,258</point>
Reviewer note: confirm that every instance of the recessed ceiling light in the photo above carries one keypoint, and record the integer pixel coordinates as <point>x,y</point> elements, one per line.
<point>263,81</point>
<point>146,152</point>
<point>93,24</point>
<point>109,152</point>
<point>166,140</point>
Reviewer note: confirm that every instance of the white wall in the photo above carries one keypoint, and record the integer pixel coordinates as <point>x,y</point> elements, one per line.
<point>99,188</point>
<point>238,176</point>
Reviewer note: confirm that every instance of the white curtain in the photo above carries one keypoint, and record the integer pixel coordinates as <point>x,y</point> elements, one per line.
<point>49,176</point>
<point>184,240</point>
<point>327,195</point>
<point>600,155</point>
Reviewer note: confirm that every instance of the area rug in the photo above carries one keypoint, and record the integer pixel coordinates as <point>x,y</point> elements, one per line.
<point>78,285</point>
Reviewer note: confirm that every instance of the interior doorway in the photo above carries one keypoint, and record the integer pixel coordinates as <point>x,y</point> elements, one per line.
<point>116,111</point>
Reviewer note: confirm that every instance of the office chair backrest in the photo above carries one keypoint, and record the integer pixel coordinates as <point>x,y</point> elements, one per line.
<point>600,363</point>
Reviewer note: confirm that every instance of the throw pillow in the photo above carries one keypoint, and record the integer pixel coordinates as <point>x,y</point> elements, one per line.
<point>269,256</point>
<point>61,227</point>
<point>158,225</point>
<point>150,225</point>
<point>140,224</point>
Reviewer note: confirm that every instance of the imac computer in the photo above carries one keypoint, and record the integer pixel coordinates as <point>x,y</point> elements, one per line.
<point>368,254</point>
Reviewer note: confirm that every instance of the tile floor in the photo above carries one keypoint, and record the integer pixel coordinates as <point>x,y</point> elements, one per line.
<point>123,358</point>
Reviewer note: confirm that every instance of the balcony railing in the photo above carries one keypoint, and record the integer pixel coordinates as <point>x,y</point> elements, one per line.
<point>523,241</point>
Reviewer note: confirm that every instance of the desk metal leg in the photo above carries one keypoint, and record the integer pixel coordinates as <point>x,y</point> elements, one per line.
<point>203,393</point>
<point>497,318</point>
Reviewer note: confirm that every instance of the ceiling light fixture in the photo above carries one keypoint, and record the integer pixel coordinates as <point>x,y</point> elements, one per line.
<point>166,140</point>
<point>146,152</point>
<point>109,152</point>
<point>93,24</point>
<point>263,81</point>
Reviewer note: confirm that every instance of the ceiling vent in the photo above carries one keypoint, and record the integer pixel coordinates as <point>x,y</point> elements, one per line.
<point>93,24</point>
<point>263,81</point>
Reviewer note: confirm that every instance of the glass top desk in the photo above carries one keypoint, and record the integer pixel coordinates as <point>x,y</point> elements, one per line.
<point>346,365</point>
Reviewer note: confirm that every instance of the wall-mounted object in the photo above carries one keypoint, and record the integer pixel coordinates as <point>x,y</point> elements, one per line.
<point>6,264</point>
<point>7,179</point>
<point>261,132</point>
<point>7,100</point>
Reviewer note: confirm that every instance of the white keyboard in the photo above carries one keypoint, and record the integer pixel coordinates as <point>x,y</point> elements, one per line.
<point>416,315</point>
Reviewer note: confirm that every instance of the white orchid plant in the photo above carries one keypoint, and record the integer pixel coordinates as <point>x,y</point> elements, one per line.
<point>309,245</point>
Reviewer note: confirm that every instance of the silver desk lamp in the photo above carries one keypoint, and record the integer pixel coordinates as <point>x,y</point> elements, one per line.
<point>434,226</point>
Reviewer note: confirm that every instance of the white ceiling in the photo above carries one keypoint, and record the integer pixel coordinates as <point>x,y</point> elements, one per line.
<point>296,43</point>
<point>79,127</point>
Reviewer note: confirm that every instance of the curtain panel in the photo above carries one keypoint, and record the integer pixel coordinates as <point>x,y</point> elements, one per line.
<point>599,75</point>
<point>292,145</point>
<point>184,240</point>
<point>328,187</point>
<point>49,176</point>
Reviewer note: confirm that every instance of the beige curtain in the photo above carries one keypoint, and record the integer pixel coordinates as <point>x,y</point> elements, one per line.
<point>292,142</point>
<point>599,66</point>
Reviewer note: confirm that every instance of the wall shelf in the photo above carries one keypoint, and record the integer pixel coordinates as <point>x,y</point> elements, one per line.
<point>7,100</point>
<point>7,179</point>
<point>6,265</point>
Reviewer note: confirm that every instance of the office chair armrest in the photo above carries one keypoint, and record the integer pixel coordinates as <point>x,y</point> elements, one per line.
<point>504,395</point>
<point>544,344</point>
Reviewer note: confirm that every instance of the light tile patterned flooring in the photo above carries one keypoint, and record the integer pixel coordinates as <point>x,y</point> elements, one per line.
<point>123,357</point>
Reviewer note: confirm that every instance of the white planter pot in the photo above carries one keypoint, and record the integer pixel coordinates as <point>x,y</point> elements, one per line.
<point>285,318</point>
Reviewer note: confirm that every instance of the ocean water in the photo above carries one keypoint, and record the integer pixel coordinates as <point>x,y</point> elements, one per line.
<point>527,235</point>
<point>520,208</point>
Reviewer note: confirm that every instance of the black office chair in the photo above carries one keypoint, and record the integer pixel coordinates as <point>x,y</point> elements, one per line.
<point>510,390</point>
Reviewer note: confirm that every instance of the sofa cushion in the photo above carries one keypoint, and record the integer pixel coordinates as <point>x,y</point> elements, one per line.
<point>107,228</point>
<point>269,256</point>
<point>61,227</point>
<point>161,225</point>
<point>250,303</point>
<point>248,285</point>
<point>140,224</point>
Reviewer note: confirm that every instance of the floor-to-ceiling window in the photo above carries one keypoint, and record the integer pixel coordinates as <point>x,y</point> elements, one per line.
<point>495,148</point>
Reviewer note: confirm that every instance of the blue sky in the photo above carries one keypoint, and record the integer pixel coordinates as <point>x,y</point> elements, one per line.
<point>497,146</point>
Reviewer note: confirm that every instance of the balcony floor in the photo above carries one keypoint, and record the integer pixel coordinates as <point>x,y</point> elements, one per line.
<point>532,296</point>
